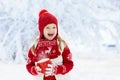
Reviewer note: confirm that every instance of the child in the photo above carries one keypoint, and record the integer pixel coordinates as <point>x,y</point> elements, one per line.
<point>49,45</point>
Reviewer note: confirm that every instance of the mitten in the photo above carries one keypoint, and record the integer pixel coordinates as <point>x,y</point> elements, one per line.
<point>37,68</point>
<point>50,70</point>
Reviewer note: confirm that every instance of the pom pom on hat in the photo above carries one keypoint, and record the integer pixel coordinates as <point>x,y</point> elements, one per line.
<point>42,12</point>
<point>46,18</point>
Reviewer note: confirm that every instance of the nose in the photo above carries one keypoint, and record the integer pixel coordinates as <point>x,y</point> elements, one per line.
<point>50,30</point>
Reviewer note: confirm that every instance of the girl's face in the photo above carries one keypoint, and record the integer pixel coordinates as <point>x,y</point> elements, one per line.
<point>50,31</point>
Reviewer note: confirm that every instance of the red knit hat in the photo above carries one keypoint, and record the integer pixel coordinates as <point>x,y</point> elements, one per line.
<point>45,18</point>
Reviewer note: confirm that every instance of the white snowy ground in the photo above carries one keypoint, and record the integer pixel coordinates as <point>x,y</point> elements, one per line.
<point>84,69</point>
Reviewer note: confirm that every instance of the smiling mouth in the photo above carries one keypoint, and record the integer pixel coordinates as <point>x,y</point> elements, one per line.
<point>50,35</point>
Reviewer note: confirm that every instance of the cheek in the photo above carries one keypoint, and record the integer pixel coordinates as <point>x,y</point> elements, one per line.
<point>55,31</point>
<point>45,32</point>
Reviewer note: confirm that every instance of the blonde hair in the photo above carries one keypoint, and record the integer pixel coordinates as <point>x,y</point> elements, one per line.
<point>61,44</point>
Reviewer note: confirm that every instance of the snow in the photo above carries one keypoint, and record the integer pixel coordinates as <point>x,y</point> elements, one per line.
<point>13,72</point>
<point>90,27</point>
<point>84,69</point>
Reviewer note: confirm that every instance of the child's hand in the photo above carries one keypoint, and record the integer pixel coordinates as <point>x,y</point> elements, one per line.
<point>50,70</point>
<point>38,69</point>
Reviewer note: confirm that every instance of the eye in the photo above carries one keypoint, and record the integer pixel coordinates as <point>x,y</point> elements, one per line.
<point>54,27</point>
<point>47,28</point>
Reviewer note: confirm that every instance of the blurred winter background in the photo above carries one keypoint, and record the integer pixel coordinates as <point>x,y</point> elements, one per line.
<point>90,27</point>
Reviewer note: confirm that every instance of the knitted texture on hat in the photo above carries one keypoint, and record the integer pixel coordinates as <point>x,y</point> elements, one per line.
<point>45,18</point>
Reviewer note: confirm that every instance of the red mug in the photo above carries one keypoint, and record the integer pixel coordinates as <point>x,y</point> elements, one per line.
<point>43,64</point>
